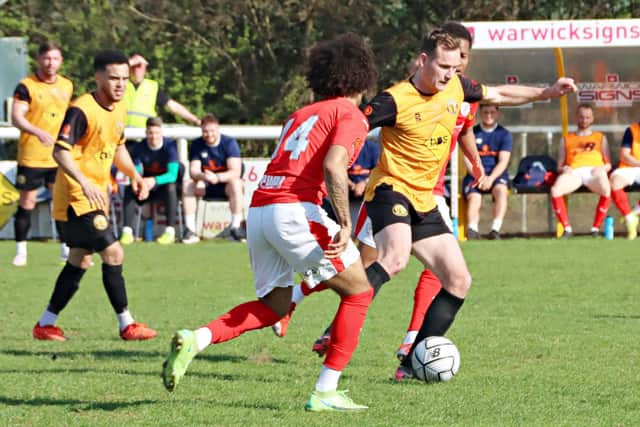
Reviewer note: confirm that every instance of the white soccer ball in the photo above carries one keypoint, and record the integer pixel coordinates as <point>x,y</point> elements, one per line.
<point>435,359</point>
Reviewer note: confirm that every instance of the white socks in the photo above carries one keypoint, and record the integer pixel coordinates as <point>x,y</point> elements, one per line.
<point>203,338</point>
<point>169,229</point>
<point>190,222</point>
<point>64,251</point>
<point>496,224</point>
<point>48,318</point>
<point>410,337</point>
<point>236,220</point>
<point>125,319</point>
<point>21,248</point>
<point>328,379</point>
<point>297,295</point>
<point>472,226</point>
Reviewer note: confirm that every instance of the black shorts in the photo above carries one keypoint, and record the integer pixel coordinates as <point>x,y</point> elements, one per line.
<point>91,231</point>
<point>390,207</point>
<point>28,178</point>
<point>215,191</point>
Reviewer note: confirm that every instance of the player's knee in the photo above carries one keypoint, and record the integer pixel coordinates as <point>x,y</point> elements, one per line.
<point>459,283</point>
<point>394,263</point>
<point>556,192</point>
<point>113,255</point>
<point>617,183</point>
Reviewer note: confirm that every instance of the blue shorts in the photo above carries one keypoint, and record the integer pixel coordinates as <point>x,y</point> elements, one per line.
<point>468,180</point>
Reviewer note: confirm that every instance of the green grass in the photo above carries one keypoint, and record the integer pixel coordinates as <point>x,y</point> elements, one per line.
<point>548,336</point>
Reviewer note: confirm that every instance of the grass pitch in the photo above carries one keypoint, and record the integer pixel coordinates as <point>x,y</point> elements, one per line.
<point>547,336</point>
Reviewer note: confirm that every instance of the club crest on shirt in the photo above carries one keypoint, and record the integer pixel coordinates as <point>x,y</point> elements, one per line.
<point>399,210</point>
<point>452,107</point>
<point>465,109</point>
<point>100,222</point>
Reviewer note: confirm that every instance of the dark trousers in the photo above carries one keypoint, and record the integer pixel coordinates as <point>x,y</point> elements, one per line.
<point>166,193</point>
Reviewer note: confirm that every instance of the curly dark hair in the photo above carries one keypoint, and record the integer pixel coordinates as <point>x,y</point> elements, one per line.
<point>343,66</point>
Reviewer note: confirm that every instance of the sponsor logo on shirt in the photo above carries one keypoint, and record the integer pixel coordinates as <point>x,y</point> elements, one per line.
<point>269,182</point>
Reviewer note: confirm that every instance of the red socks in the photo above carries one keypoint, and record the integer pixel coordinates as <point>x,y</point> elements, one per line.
<point>426,290</point>
<point>306,290</point>
<point>240,319</point>
<point>560,209</point>
<point>345,330</point>
<point>601,211</point>
<point>621,201</point>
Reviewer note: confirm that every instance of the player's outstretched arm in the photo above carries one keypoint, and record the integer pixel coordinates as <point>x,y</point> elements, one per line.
<point>518,95</point>
<point>337,182</point>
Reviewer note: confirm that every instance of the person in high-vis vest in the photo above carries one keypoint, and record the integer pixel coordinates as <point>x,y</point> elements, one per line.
<point>583,159</point>
<point>39,104</point>
<point>144,98</point>
<point>628,173</point>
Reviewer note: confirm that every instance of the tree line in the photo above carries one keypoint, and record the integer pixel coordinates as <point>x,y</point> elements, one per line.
<point>243,60</point>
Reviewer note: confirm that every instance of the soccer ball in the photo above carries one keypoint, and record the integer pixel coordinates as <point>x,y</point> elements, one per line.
<point>435,359</point>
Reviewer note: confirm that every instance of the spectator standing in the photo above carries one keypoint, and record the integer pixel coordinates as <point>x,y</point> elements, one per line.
<point>494,144</point>
<point>39,104</point>
<point>583,159</point>
<point>144,97</point>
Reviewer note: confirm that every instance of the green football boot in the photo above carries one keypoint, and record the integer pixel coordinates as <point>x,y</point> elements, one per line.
<point>332,401</point>
<point>183,350</point>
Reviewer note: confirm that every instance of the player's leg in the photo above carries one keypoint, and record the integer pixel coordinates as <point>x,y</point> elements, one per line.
<point>273,279</point>
<point>500,193</point>
<point>28,180</point>
<point>234,192</point>
<point>99,237</point>
<point>50,179</point>
<point>66,284</point>
<point>598,183</point>
<point>566,183</point>
<point>426,290</point>
<point>443,254</point>
<point>620,178</point>
<point>355,297</point>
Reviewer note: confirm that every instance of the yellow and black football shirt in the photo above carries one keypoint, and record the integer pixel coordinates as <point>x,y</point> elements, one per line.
<point>416,136</point>
<point>92,133</point>
<point>47,104</point>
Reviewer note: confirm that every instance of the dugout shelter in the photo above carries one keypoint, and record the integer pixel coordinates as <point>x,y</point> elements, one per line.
<point>598,54</point>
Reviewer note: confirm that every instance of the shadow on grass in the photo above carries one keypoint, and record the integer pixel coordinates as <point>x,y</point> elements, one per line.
<point>616,316</point>
<point>77,405</point>
<point>119,354</point>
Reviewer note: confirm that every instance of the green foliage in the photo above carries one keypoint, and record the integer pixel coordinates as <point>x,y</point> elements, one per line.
<point>545,336</point>
<point>244,60</point>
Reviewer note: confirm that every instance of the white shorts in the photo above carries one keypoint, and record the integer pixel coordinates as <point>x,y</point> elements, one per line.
<point>631,175</point>
<point>364,232</point>
<point>584,173</point>
<point>284,238</point>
